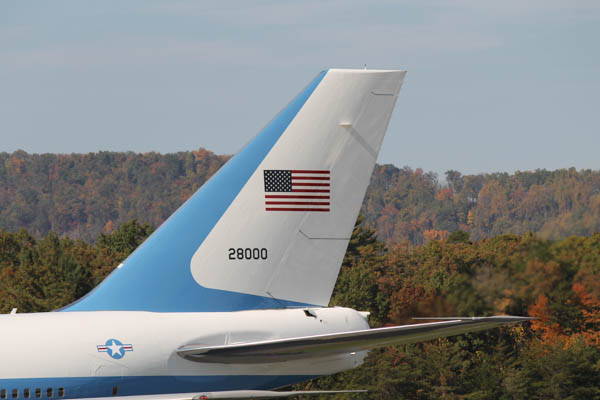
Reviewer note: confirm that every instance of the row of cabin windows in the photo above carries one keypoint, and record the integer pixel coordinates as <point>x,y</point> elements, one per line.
<point>14,393</point>
<point>38,393</point>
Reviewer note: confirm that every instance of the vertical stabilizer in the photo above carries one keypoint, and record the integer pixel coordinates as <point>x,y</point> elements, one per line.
<point>271,227</point>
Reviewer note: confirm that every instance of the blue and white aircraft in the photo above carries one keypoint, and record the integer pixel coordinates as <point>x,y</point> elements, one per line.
<point>228,298</point>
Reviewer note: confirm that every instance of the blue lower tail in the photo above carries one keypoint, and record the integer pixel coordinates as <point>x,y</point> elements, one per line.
<point>157,276</point>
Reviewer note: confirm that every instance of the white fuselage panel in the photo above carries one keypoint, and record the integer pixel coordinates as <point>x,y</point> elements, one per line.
<point>77,344</point>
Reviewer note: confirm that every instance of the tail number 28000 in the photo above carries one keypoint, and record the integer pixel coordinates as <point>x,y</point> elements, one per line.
<point>247,253</point>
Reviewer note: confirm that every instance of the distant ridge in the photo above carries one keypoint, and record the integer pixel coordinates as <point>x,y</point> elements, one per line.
<point>81,195</point>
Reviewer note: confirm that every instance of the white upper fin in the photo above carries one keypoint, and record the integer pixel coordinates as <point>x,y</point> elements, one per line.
<point>287,253</point>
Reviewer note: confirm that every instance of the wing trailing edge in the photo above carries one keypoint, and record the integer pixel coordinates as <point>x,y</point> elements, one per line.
<point>297,348</point>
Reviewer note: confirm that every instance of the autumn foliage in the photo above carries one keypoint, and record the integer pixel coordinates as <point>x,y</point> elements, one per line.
<point>82,195</point>
<point>403,204</point>
<point>422,249</point>
<point>555,281</point>
<point>550,329</point>
<point>554,356</point>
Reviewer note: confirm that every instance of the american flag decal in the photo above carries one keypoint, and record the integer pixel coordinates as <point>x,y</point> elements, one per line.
<point>297,190</point>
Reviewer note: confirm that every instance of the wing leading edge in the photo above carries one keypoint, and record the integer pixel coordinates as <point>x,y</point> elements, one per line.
<point>338,343</point>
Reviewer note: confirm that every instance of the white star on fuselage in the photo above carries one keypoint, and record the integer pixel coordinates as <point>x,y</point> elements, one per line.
<point>115,348</point>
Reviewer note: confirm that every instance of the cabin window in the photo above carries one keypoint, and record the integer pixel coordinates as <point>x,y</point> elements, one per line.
<point>26,393</point>
<point>2,393</point>
<point>115,390</point>
<point>49,393</point>
<point>38,393</point>
<point>61,392</point>
<point>15,393</point>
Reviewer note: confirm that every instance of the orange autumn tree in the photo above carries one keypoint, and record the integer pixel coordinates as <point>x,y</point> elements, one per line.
<point>552,331</point>
<point>590,311</point>
<point>433,234</point>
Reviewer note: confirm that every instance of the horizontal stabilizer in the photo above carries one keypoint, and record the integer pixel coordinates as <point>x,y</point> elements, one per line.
<point>232,394</point>
<point>338,343</point>
<point>268,394</point>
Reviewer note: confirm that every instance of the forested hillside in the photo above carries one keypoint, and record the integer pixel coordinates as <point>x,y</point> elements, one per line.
<point>423,249</point>
<point>405,204</point>
<point>82,195</point>
<point>554,357</point>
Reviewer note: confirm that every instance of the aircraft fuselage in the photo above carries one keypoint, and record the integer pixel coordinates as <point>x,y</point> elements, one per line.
<point>102,353</point>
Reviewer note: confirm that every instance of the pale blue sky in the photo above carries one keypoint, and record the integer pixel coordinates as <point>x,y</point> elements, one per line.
<point>491,86</point>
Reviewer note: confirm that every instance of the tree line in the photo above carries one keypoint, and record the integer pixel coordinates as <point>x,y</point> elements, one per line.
<point>555,356</point>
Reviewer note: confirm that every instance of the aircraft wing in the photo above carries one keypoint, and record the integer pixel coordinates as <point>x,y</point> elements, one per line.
<point>232,394</point>
<point>280,350</point>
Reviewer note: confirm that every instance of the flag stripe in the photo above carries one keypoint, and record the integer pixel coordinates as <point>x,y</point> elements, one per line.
<point>297,209</point>
<point>309,184</point>
<point>312,178</point>
<point>311,190</point>
<point>308,171</point>
<point>299,203</point>
<point>297,196</point>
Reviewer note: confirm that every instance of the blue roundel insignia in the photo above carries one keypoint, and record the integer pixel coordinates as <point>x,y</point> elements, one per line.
<point>114,348</point>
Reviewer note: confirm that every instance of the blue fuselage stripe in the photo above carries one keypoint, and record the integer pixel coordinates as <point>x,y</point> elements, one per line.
<point>78,387</point>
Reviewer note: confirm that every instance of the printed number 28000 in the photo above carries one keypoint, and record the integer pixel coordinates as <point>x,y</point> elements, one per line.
<point>247,253</point>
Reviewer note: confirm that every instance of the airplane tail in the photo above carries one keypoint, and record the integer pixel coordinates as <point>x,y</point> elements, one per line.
<point>270,228</point>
